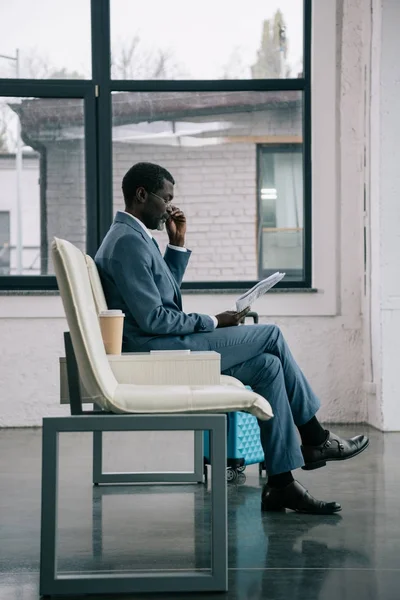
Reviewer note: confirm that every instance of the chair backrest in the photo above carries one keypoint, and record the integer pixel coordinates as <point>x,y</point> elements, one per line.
<point>95,282</point>
<point>75,288</point>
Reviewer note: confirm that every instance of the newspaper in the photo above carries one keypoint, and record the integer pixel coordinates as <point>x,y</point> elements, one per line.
<point>249,297</point>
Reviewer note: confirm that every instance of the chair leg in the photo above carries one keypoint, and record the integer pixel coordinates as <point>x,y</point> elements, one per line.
<point>97,469</point>
<point>97,465</point>
<point>53,583</point>
<point>199,456</point>
<point>49,518</point>
<point>219,525</point>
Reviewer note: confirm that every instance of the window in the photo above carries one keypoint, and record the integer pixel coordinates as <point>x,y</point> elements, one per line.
<point>240,94</point>
<point>45,39</point>
<point>4,242</point>
<point>224,105</point>
<point>210,40</point>
<point>280,210</point>
<point>209,141</point>
<point>42,181</point>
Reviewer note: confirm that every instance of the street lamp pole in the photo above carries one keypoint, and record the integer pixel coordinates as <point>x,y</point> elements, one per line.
<point>18,165</point>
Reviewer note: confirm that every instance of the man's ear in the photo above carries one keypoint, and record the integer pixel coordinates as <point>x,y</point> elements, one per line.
<point>141,195</point>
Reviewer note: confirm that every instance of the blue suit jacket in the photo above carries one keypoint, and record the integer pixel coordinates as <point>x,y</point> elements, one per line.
<point>145,285</point>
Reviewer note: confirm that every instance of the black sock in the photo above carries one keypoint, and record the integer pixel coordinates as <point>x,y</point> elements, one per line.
<point>312,433</point>
<point>281,480</point>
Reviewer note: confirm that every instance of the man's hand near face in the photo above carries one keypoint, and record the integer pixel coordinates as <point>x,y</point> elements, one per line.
<point>176,226</point>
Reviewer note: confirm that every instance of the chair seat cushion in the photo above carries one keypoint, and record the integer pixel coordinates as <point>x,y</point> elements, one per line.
<point>150,399</point>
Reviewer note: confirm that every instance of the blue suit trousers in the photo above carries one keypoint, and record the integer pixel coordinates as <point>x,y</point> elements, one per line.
<point>259,356</point>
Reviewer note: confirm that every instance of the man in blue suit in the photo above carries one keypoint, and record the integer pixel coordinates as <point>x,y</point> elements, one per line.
<point>146,286</point>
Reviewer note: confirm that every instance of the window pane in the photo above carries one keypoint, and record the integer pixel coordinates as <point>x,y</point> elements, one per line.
<point>42,180</point>
<point>52,39</point>
<point>281,210</point>
<point>4,242</point>
<point>207,40</point>
<point>208,141</point>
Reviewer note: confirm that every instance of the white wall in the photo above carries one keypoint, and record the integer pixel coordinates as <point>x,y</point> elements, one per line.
<point>29,371</point>
<point>324,329</point>
<point>383,215</point>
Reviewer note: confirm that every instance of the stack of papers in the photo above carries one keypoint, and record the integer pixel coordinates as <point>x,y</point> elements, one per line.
<point>249,297</point>
<point>170,351</point>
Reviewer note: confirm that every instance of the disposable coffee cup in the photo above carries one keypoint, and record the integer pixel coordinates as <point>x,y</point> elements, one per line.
<point>112,325</point>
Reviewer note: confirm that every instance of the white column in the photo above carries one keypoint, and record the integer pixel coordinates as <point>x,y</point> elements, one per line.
<point>384,215</point>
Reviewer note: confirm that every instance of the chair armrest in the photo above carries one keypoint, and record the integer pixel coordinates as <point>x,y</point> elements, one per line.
<point>228,380</point>
<point>250,315</point>
<point>143,368</point>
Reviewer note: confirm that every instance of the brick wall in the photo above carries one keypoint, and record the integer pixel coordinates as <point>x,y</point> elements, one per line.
<point>216,188</point>
<point>65,193</point>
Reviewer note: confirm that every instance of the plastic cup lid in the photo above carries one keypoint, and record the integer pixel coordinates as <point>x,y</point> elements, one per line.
<point>112,313</point>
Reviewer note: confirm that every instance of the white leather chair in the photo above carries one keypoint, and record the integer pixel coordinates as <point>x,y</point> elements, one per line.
<point>81,311</point>
<point>136,407</point>
<point>95,284</point>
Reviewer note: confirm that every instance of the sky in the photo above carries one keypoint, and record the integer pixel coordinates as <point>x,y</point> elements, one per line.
<point>201,38</point>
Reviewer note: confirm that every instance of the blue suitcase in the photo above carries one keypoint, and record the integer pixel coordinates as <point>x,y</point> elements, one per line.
<point>243,445</point>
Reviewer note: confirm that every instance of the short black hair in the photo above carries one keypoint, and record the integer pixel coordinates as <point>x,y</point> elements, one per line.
<point>144,174</point>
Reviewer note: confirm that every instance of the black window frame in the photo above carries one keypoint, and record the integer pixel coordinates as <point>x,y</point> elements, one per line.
<point>96,93</point>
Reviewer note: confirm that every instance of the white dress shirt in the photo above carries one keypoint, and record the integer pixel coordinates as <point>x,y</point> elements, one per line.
<point>178,248</point>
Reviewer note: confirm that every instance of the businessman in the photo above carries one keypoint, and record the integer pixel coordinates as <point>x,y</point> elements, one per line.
<point>146,286</point>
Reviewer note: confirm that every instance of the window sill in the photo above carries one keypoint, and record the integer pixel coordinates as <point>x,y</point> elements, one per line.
<point>278,302</point>
<point>241,291</point>
<point>29,293</point>
<point>184,292</point>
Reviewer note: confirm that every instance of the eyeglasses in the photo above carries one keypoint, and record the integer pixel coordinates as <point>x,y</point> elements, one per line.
<point>159,197</point>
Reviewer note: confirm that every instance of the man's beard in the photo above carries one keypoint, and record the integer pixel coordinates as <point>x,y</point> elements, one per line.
<point>162,221</point>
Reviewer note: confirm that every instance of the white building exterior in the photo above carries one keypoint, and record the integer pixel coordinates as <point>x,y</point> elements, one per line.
<point>30,203</point>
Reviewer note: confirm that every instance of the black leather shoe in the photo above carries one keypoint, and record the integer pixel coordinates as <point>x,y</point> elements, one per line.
<point>295,497</point>
<point>333,448</point>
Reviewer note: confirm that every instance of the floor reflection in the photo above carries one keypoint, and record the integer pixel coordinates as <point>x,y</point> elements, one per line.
<point>276,556</point>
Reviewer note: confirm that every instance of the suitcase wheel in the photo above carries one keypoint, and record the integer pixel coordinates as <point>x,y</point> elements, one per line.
<point>241,468</point>
<point>231,474</point>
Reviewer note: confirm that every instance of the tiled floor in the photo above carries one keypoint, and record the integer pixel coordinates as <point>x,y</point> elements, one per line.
<point>353,555</point>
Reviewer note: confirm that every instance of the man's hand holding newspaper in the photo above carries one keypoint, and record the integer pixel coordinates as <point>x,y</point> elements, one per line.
<point>248,298</point>
<point>234,317</point>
